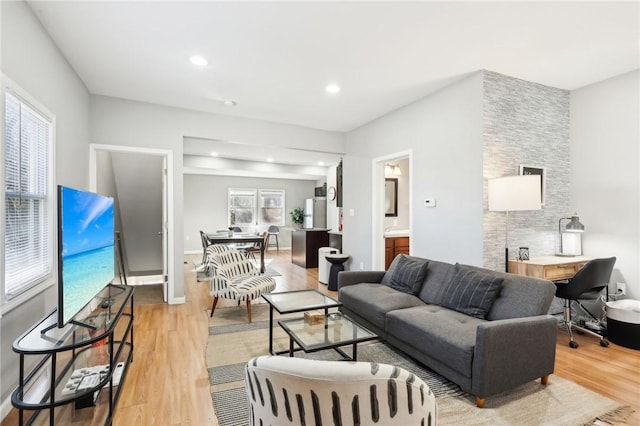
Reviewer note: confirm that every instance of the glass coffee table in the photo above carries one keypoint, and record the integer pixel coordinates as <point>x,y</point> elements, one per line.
<point>287,302</point>
<point>337,330</point>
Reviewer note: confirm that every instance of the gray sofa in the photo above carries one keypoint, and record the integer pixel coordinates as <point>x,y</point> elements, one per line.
<point>514,343</point>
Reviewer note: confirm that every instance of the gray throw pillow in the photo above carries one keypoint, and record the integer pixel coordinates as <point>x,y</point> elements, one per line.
<point>471,292</point>
<point>408,274</point>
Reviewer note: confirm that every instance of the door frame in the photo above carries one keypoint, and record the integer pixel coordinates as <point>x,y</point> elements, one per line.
<point>377,205</point>
<point>169,234</point>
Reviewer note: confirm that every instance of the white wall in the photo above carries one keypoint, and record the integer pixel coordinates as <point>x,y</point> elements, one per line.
<point>139,190</point>
<point>605,179</point>
<point>129,123</point>
<point>206,204</point>
<point>31,60</point>
<point>444,133</point>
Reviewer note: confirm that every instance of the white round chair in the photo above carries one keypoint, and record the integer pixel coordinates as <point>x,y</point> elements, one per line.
<point>298,391</point>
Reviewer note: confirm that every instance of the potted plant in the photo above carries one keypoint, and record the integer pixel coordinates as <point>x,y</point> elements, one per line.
<point>297,216</point>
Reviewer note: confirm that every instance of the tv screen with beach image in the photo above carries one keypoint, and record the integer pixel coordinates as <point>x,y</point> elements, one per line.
<point>86,235</point>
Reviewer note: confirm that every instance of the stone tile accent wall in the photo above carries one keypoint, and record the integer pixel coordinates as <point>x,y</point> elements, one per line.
<point>525,123</point>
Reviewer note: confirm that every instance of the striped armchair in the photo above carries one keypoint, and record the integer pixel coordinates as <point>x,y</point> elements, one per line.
<point>233,276</point>
<point>298,391</point>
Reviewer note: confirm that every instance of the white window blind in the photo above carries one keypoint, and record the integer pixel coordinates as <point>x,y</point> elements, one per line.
<point>28,227</point>
<point>250,208</point>
<point>271,207</point>
<point>242,207</point>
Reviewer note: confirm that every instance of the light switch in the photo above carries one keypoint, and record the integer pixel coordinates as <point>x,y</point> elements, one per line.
<point>352,212</point>
<point>430,202</point>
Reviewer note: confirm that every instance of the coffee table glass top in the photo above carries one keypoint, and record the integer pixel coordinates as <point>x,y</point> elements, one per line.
<point>339,331</point>
<point>298,301</point>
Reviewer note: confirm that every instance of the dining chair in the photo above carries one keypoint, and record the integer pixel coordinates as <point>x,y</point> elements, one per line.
<point>255,248</point>
<point>205,243</point>
<point>273,230</point>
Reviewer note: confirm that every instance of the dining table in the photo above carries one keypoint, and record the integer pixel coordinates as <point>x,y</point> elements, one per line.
<point>238,238</point>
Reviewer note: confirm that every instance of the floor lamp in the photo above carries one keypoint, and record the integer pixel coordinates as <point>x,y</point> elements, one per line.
<point>514,193</point>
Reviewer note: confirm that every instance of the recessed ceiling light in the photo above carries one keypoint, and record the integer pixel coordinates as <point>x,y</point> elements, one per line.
<point>320,163</point>
<point>214,154</point>
<point>332,88</point>
<point>229,102</point>
<point>198,61</point>
<point>270,160</point>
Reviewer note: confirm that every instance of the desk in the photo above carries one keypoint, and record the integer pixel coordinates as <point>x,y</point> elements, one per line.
<point>552,268</point>
<point>239,239</point>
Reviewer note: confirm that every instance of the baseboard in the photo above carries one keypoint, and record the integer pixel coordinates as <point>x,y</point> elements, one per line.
<point>5,408</point>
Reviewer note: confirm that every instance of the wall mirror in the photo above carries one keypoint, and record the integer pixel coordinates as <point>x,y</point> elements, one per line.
<point>391,197</point>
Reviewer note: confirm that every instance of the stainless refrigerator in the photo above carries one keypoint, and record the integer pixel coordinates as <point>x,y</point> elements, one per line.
<point>315,213</point>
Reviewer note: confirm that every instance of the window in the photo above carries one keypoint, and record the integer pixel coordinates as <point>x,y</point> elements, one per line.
<point>251,207</point>
<point>242,207</point>
<point>28,195</point>
<point>272,207</point>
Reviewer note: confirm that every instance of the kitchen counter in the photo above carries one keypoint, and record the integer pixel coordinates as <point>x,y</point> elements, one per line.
<point>397,233</point>
<point>305,244</point>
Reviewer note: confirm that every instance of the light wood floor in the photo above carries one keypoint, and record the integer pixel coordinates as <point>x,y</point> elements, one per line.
<point>168,382</point>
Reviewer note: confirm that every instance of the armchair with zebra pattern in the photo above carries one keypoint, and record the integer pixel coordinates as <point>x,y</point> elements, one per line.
<point>234,276</point>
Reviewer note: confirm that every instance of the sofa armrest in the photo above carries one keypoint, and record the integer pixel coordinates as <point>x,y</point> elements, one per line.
<point>511,352</point>
<point>346,278</point>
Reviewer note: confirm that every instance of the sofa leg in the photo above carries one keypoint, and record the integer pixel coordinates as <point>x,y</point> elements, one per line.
<point>480,402</point>
<point>213,307</point>
<point>544,380</point>
<point>249,310</point>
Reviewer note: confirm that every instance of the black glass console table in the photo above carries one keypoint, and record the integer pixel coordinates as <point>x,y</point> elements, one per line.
<point>76,371</point>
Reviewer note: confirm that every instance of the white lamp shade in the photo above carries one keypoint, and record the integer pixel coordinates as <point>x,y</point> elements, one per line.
<point>513,193</point>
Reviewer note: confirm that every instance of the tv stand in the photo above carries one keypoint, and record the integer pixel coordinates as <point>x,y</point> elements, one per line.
<point>94,347</point>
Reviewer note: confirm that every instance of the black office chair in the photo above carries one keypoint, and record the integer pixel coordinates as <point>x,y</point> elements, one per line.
<point>587,284</point>
<point>273,230</point>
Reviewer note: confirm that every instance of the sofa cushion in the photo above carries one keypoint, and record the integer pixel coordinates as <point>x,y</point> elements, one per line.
<point>373,301</point>
<point>520,296</point>
<point>471,291</point>
<point>445,335</point>
<point>438,277</point>
<point>408,275</point>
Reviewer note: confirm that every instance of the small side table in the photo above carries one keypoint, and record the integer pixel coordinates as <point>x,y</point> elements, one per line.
<point>337,264</point>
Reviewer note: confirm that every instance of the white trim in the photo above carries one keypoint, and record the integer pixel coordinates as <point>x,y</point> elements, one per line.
<point>5,407</point>
<point>168,154</point>
<point>377,205</point>
<point>48,281</point>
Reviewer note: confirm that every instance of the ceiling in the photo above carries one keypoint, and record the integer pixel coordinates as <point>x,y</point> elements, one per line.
<point>274,59</point>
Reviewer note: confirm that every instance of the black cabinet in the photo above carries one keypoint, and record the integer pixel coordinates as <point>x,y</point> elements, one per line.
<point>339,185</point>
<point>305,244</point>
<point>76,371</point>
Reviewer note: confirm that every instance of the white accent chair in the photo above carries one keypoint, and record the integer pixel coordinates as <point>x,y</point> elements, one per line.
<point>299,391</point>
<point>233,276</point>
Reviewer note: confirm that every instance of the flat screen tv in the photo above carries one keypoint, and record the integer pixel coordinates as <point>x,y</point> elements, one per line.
<point>85,249</point>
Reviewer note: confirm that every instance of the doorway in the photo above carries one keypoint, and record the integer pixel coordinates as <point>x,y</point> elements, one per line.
<point>141,179</point>
<point>390,215</point>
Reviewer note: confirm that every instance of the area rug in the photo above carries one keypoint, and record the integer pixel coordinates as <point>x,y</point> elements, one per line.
<point>232,342</point>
